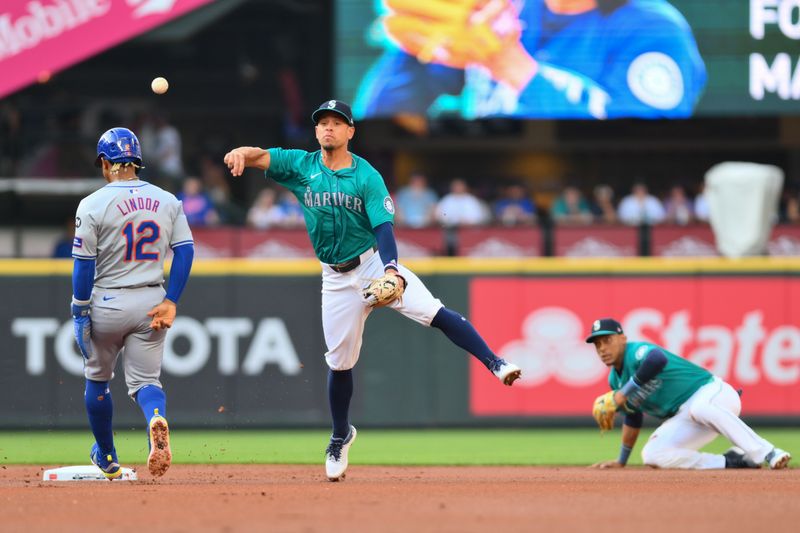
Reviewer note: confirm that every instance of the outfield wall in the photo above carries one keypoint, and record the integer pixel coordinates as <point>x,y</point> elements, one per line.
<point>247,348</point>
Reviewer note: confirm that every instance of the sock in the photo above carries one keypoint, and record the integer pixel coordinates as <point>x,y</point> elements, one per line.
<point>340,390</point>
<point>100,409</point>
<point>463,334</point>
<point>152,401</point>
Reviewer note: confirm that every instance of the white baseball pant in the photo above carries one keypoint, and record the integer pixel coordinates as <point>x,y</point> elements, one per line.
<point>712,410</point>
<point>344,310</point>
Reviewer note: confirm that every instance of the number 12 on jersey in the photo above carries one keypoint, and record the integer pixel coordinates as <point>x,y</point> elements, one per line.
<point>147,232</point>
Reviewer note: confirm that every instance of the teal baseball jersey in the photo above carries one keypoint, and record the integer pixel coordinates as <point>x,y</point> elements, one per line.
<point>340,207</point>
<point>678,380</point>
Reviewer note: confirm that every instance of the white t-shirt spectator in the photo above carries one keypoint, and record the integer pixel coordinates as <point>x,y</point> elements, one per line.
<point>461,210</point>
<point>635,210</point>
<point>168,150</point>
<point>701,208</point>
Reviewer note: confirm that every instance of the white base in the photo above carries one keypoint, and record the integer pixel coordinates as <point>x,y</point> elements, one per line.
<point>84,473</point>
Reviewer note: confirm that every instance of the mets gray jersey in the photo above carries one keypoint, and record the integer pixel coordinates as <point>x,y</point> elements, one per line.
<point>128,227</point>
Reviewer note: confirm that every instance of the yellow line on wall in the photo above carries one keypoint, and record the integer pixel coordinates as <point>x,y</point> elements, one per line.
<point>457,265</point>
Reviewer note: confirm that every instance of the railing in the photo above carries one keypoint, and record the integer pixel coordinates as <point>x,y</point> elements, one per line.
<point>569,241</point>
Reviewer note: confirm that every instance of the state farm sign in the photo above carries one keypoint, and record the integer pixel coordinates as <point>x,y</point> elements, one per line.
<point>743,329</point>
<point>40,37</point>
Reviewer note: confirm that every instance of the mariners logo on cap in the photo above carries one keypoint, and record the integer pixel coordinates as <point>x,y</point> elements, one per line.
<point>331,104</point>
<point>596,325</point>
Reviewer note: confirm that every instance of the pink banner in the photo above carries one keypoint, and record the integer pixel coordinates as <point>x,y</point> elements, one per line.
<point>743,329</point>
<point>274,243</point>
<point>500,242</point>
<point>684,241</point>
<point>424,242</point>
<point>596,241</point>
<point>41,37</point>
<point>784,241</point>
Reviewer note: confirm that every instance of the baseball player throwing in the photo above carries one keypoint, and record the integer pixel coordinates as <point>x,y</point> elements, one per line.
<point>697,406</point>
<point>119,305</point>
<point>349,216</point>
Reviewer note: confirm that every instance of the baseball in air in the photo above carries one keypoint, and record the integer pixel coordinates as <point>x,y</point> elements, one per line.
<point>159,85</point>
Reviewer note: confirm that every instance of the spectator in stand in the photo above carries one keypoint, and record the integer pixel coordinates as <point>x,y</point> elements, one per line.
<point>64,154</point>
<point>793,209</point>
<point>165,144</point>
<point>515,208</point>
<point>571,208</point>
<point>678,207</point>
<point>62,249</point>
<point>701,212</point>
<point>640,207</point>
<point>416,203</point>
<point>603,206</point>
<point>197,205</point>
<point>292,211</point>
<point>265,212</point>
<point>789,208</point>
<point>460,208</point>
<point>218,187</point>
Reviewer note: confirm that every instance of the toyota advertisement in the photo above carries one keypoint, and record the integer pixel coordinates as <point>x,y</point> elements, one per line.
<point>743,329</point>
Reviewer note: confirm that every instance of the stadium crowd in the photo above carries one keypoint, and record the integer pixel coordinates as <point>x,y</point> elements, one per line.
<point>201,182</point>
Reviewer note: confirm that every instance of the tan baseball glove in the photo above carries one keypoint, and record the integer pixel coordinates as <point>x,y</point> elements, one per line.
<point>454,33</point>
<point>604,410</point>
<point>385,290</point>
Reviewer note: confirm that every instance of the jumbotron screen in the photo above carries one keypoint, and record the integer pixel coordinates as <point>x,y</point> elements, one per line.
<point>601,59</point>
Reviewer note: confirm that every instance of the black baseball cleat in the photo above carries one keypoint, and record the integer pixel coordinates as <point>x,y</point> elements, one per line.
<point>736,458</point>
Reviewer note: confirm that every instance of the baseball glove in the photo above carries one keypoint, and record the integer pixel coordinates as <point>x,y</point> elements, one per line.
<point>604,410</point>
<point>385,290</point>
<point>454,33</point>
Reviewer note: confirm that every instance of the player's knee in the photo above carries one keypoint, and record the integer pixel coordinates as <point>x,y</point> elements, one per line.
<point>655,456</point>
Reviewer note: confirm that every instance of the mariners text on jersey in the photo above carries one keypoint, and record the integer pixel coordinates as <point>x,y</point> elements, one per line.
<point>138,204</point>
<point>340,199</point>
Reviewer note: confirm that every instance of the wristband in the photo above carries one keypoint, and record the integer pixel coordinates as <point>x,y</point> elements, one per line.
<point>79,308</point>
<point>630,387</point>
<point>624,453</point>
<point>391,264</point>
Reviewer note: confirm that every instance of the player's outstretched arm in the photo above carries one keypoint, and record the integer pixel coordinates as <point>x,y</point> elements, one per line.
<point>246,156</point>
<point>630,433</point>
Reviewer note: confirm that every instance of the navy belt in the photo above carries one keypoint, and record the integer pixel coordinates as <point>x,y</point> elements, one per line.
<point>349,265</point>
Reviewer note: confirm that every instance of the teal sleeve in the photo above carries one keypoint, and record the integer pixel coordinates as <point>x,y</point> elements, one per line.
<point>284,164</point>
<point>379,205</point>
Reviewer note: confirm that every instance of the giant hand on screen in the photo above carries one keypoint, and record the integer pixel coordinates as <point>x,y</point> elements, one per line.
<point>454,33</point>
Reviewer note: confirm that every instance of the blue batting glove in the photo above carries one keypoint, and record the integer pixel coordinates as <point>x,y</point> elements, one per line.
<point>83,328</point>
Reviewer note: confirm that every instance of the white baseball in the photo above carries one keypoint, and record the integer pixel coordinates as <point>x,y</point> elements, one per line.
<point>159,85</point>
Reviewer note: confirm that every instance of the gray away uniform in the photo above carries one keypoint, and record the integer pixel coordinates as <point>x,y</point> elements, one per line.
<point>127,227</point>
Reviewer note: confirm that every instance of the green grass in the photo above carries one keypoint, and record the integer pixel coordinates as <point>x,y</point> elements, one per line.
<point>384,447</point>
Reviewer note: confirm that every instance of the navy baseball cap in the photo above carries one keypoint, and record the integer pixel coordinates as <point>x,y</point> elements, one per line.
<point>604,326</point>
<point>336,106</point>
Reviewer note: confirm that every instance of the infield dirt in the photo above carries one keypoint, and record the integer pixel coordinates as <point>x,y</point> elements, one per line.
<point>277,498</point>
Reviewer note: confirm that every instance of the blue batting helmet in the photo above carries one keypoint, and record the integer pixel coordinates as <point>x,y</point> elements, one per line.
<point>119,145</point>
